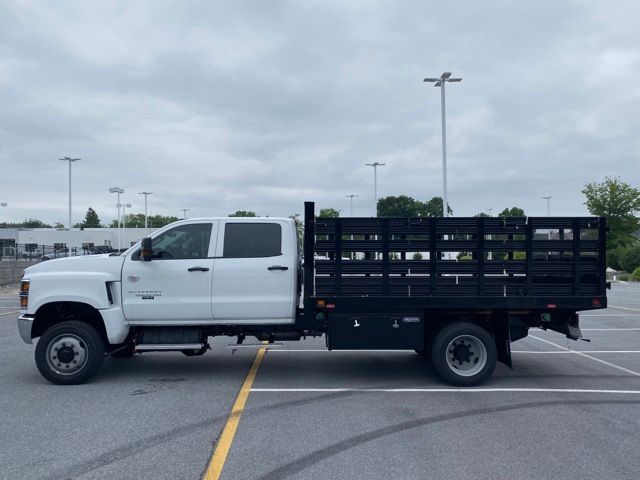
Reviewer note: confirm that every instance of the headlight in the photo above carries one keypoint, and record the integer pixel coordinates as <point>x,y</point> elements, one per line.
<point>24,294</point>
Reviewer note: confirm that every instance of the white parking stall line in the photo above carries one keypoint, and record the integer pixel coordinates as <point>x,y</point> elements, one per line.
<point>442,390</point>
<point>609,329</point>
<point>611,315</point>
<point>626,308</point>
<point>604,362</point>
<point>319,350</point>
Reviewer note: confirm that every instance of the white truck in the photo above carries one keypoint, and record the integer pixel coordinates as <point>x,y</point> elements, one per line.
<point>241,277</point>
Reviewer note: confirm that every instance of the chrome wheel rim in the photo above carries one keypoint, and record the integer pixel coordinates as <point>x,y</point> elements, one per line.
<point>466,355</point>
<point>66,354</point>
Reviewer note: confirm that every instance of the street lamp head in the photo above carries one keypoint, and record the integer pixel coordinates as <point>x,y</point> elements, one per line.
<point>3,204</point>
<point>145,193</point>
<point>69,159</point>
<point>128,205</point>
<point>445,77</point>
<point>116,190</point>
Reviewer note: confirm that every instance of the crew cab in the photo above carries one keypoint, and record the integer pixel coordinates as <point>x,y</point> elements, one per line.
<point>361,285</point>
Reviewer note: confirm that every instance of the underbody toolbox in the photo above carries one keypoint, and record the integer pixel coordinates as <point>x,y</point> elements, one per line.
<point>371,331</point>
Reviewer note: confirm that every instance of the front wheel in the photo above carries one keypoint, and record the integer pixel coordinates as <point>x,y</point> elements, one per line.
<point>464,354</point>
<point>69,353</point>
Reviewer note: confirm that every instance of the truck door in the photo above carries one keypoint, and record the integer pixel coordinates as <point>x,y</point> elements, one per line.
<point>175,286</point>
<point>255,268</point>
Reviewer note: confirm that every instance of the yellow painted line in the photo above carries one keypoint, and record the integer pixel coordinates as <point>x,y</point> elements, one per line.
<point>626,308</point>
<point>8,313</point>
<point>216,464</point>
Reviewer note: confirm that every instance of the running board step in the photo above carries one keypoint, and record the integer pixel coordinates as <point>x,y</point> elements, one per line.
<point>145,347</point>
<point>255,345</point>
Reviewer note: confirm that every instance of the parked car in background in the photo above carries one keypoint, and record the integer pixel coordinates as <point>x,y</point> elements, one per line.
<point>100,249</point>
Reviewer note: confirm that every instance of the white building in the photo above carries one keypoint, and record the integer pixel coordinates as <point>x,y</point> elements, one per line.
<point>85,239</point>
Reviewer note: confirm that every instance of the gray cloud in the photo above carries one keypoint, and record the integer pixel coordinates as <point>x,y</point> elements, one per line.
<point>262,105</point>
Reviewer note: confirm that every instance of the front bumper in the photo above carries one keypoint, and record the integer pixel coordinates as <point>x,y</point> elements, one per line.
<point>24,327</point>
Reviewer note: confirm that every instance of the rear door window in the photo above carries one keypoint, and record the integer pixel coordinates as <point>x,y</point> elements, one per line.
<point>252,240</point>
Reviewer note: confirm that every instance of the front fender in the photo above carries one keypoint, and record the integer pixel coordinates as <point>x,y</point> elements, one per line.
<point>89,288</point>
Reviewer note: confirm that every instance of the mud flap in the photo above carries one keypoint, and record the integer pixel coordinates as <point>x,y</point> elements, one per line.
<point>573,329</point>
<point>503,340</point>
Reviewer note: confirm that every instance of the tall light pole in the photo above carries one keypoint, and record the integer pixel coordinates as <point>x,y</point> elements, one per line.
<point>184,212</point>
<point>547,198</point>
<point>118,191</point>
<point>146,194</point>
<point>440,82</point>
<point>124,217</point>
<point>351,197</point>
<point>375,166</point>
<point>70,160</point>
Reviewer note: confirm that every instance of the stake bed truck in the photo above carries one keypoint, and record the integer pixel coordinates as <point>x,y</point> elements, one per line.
<point>364,283</point>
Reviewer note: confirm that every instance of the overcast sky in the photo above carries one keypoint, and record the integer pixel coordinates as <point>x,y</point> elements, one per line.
<point>263,105</point>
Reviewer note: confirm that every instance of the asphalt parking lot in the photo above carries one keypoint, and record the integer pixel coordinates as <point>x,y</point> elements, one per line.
<point>315,414</point>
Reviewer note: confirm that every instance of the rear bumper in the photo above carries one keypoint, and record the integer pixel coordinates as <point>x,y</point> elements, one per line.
<point>24,327</point>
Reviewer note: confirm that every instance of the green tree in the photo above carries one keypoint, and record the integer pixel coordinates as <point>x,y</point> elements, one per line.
<point>34,223</point>
<point>299,229</point>
<point>629,258</point>
<point>91,220</point>
<point>404,206</point>
<point>482,214</point>
<point>136,220</point>
<point>243,213</point>
<point>433,208</point>
<point>512,212</point>
<point>400,206</point>
<point>157,221</point>
<point>328,213</point>
<point>618,202</point>
<point>131,220</point>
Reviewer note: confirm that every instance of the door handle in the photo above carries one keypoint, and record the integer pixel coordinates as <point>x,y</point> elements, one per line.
<point>199,269</point>
<point>277,267</point>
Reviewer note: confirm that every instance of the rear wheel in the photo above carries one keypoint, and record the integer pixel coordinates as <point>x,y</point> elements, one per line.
<point>69,353</point>
<point>464,354</point>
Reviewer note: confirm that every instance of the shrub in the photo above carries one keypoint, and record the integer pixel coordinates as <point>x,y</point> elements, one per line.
<point>613,258</point>
<point>630,258</point>
<point>623,278</point>
<point>636,275</point>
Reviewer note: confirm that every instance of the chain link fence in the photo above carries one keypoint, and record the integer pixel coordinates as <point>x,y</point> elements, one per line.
<point>15,258</point>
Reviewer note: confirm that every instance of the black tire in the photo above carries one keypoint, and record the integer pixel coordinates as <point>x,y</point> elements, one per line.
<point>454,358</point>
<point>78,341</point>
<point>194,353</point>
<point>122,351</point>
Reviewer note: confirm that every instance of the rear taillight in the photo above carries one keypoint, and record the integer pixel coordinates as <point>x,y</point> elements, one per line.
<point>24,294</point>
